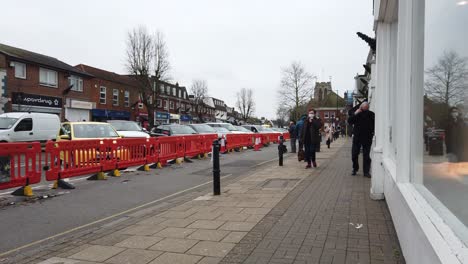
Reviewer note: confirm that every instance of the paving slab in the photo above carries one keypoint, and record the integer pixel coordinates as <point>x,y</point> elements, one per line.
<point>175,232</point>
<point>211,249</point>
<point>140,242</point>
<point>177,245</point>
<point>211,235</point>
<point>206,224</point>
<point>176,258</point>
<point>237,226</point>
<point>97,253</point>
<point>134,256</point>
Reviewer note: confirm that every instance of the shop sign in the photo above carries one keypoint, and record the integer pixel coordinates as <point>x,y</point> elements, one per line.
<point>160,115</point>
<point>36,100</point>
<point>175,116</point>
<point>81,104</point>
<point>185,118</point>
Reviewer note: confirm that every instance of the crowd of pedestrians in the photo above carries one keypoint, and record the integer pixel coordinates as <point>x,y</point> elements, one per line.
<point>309,131</point>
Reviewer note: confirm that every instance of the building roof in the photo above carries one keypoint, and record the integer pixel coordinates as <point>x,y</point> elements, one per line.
<point>331,99</point>
<point>106,75</point>
<point>22,55</point>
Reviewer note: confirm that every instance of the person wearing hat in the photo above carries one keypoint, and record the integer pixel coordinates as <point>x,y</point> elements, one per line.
<point>310,137</point>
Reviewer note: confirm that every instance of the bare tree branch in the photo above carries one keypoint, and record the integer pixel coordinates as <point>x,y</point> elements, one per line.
<point>199,91</point>
<point>245,103</point>
<point>296,87</point>
<point>447,81</point>
<point>147,61</point>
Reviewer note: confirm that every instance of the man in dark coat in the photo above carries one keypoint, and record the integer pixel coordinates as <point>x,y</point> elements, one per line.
<point>292,136</point>
<point>363,121</point>
<point>310,137</point>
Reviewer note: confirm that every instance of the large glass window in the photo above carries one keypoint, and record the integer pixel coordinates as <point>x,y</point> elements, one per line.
<point>77,83</point>
<point>20,70</point>
<point>115,97</point>
<point>445,151</point>
<point>102,95</point>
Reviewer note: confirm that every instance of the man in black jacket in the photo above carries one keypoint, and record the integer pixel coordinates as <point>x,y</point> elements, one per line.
<point>310,137</point>
<point>363,121</point>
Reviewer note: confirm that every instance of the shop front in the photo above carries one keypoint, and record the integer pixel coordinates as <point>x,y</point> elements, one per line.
<point>185,119</point>
<point>77,110</point>
<point>102,115</point>
<point>419,79</point>
<point>174,119</point>
<point>23,102</point>
<point>161,118</point>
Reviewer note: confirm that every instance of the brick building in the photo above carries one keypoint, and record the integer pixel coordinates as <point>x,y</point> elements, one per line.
<point>115,96</point>
<point>32,82</point>
<point>173,104</point>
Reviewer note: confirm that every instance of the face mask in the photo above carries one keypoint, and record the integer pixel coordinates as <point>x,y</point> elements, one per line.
<point>454,114</point>
<point>311,115</point>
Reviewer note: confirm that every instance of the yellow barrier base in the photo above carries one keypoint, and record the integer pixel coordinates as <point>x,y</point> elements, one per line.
<point>146,167</point>
<point>28,191</point>
<point>116,173</point>
<point>159,165</point>
<point>178,161</point>
<point>205,156</point>
<point>55,186</point>
<point>101,176</point>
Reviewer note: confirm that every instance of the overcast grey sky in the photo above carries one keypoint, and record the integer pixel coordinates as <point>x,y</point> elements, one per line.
<point>229,43</point>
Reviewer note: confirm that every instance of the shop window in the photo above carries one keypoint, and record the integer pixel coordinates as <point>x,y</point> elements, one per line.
<point>127,98</point>
<point>24,125</point>
<point>115,97</point>
<point>445,120</point>
<point>20,70</point>
<point>77,83</point>
<point>47,77</point>
<point>102,95</point>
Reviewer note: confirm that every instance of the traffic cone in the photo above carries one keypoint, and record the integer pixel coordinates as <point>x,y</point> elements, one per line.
<point>257,144</point>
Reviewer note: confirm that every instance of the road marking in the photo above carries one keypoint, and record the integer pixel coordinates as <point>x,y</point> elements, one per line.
<point>105,218</point>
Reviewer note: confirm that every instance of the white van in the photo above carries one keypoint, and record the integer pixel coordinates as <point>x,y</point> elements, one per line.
<point>20,126</point>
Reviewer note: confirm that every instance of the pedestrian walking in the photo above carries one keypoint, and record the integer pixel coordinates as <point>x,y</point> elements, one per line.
<point>292,136</point>
<point>310,136</point>
<point>328,135</point>
<point>363,121</point>
<point>299,126</point>
<point>455,136</point>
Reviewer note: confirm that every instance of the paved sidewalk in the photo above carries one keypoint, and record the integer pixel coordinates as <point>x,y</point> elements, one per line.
<point>274,215</point>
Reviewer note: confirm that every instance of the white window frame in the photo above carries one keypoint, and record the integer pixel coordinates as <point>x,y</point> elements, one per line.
<point>19,65</point>
<point>127,99</point>
<point>50,80</point>
<point>115,97</point>
<point>179,94</point>
<point>168,90</point>
<point>161,88</point>
<point>159,103</point>
<point>326,115</point>
<point>102,92</point>
<point>171,105</point>
<point>77,83</point>
<point>174,91</point>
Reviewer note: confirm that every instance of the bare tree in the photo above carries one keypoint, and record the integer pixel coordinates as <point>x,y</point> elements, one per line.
<point>447,81</point>
<point>245,103</point>
<point>148,63</point>
<point>296,87</point>
<point>282,115</point>
<point>199,91</point>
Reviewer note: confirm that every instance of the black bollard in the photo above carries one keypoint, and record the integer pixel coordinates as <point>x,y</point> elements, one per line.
<point>216,170</point>
<point>281,150</point>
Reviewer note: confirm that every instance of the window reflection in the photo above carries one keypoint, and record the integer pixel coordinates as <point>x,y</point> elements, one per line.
<point>446,105</point>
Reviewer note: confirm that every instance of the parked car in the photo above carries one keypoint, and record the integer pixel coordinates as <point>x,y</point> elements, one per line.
<point>84,131</point>
<point>204,129</point>
<point>19,126</point>
<point>243,129</point>
<point>255,128</point>
<point>228,126</point>
<point>129,129</point>
<point>174,130</point>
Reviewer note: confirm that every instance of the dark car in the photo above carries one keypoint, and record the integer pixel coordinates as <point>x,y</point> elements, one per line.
<point>174,130</point>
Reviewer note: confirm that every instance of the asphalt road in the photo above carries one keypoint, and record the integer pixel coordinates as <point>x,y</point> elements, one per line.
<point>27,222</point>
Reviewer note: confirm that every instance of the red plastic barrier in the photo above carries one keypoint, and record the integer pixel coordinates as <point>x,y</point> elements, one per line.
<point>129,151</point>
<point>265,138</point>
<point>170,148</point>
<point>20,164</point>
<point>67,159</point>
<point>207,142</point>
<point>234,141</point>
<point>152,155</point>
<point>193,145</point>
<point>286,136</point>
